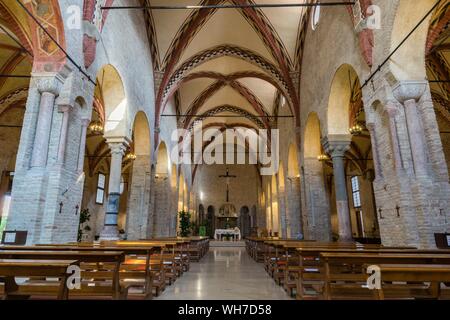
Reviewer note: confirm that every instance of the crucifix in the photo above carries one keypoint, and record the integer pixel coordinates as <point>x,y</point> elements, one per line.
<point>227,177</point>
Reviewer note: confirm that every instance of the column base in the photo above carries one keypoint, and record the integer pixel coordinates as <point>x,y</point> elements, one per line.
<point>109,233</point>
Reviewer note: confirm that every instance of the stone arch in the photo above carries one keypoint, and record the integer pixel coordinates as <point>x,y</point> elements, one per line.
<point>139,199</point>
<point>293,169</point>
<point>338,114</point>
<point>408,63</point>
<point>111,92</point>
<point>312,146</point>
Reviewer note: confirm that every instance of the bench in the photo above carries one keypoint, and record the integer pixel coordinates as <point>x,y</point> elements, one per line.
<point>11,268</point>
<point>434,274</point>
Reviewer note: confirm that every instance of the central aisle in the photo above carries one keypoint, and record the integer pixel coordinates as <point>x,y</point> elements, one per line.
<point>225,274</point>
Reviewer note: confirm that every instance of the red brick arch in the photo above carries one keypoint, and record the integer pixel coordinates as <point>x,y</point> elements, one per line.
<point>47,56</point>
<point>90,43</point>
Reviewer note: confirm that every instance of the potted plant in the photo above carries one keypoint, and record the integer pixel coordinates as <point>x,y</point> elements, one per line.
<point>185,223</point>
<point>85,216</point>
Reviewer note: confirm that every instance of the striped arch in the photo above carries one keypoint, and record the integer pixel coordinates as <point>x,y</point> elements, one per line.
<point>439,23</point>
<point>231,109</point>
<point>215,87</point>
<point>226,78</point>
<point>215,53</point>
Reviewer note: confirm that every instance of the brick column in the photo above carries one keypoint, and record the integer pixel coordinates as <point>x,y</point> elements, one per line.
<point>65,110</point>
<point>49,91</point>
<point>392,111</point>
<point>293,209</point>
<point>118,147</point>
<point>375,153</point>
<point>84,125</point>
<point>337,149</point>
<point>408,93</point>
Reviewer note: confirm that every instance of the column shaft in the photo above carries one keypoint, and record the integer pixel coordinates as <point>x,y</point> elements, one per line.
<point>110,231</point>
<point>63,137</point>
<point>84,125</point>
<point>340,184</point>
<point>43,127</point>
<point>392,113</point>
<point>416,135</point>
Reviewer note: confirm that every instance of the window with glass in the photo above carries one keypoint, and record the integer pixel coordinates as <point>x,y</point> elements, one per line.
<point>315,16</point>
<point>356,192</point>
<point>100,189</point>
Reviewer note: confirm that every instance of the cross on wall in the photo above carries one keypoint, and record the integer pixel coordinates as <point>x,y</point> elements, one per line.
<point>227,177</point>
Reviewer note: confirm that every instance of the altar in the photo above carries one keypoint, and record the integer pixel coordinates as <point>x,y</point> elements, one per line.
<point>234,233</point>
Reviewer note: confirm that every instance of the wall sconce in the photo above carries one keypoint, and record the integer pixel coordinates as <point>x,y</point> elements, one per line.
<point>356,130</point>
<point>130,156</point>
<point>96,127</point>
<point>162,176</point>
<point>323,157</point>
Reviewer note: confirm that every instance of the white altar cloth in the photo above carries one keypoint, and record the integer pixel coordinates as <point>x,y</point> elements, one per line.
<point>235,233</point>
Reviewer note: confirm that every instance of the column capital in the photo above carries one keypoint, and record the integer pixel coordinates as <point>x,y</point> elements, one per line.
<point>85,122</point>
<point>336,146</point>
<point>118,144</point>
<point>409,90</point>
<point>51,81</point>
<point>64,108</point>
<point>49,84</point>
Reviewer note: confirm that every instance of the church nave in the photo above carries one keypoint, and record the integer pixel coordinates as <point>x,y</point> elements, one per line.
<point>225,273</point>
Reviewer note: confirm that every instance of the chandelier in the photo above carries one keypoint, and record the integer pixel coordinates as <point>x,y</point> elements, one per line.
<point>96,127</point>
<point>130,156</point>
<point>323,157</point>
<point>356,130</point>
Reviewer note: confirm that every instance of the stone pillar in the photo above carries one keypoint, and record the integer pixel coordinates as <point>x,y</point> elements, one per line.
<point>284,220</point>
<point>118,147</point>
<point>392,111</point>
<point>337,149</point>
<point>293,207</point>
<point>408,93</point>
<point>375,153</point>
<point>65,110</point>
<point>39,155</point>
<point>84,125</point>
<point>316,203</point>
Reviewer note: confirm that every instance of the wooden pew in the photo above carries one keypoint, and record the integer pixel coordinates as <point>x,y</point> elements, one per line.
<point>436,275</point>
<point>97,266</point>
<point>11,268</point>
<point>145,278</point>
<point>344,272</point>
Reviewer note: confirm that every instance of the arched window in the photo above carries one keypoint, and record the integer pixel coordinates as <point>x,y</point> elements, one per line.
<point>315,16</point>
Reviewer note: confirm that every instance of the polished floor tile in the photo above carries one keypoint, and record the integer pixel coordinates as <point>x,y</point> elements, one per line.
<point>225,274</point>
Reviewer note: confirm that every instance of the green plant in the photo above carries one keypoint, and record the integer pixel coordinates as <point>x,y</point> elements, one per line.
<point>185,223</point>
<point>85,216</point>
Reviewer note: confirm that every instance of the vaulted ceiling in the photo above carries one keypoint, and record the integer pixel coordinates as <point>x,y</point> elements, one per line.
<point>438,61</point>
<point>226,62</point>
<point>14,60</point>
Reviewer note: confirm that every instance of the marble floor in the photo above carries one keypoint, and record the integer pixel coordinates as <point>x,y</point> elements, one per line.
<point>225,274</point>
